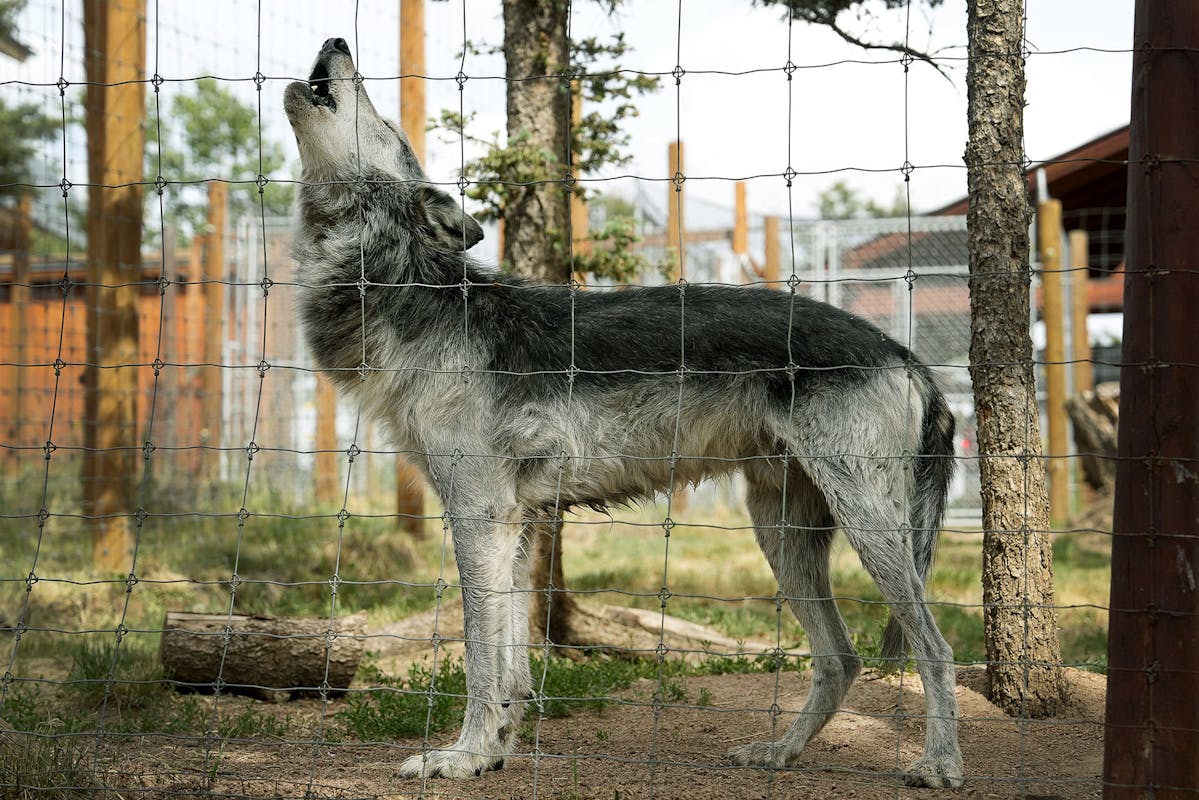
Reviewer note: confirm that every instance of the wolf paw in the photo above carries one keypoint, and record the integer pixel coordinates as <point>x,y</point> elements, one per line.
<point>758,754</point>
<point>450,763</point>
<point>944,772</point>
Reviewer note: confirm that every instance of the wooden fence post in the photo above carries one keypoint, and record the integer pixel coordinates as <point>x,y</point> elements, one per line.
<point>1053,315</point>
<point>326,439</point>
<point>578,208</point>
<point>412,70</point>
<point>772,255</point>
<point>676,231</point>
<point>1080,351</point>
<point>410,495</point>
<point>211,383</point>
<point>740,223</point>
<point>115,58</point>
<point>19,298</point>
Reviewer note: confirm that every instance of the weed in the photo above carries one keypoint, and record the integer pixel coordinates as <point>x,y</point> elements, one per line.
<point>129,676</point>
<point>424,702</point>
<point>48,766</point>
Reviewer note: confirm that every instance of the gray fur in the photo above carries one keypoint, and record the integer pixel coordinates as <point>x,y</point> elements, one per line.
<point>524,399</point>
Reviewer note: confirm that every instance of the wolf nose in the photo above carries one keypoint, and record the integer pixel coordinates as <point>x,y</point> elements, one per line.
<point>336,44</point>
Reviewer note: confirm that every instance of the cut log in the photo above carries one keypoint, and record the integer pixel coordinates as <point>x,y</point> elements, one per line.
<point>273,658</point>
<point>1095,415</point>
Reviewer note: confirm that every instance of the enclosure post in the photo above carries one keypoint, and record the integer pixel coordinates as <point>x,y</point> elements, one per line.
<point>676,237</point>
<point>1080,348</point>
<point>19,297</point>
<point>1023,654</point>
<point>772,256</point>
<point>578,208</point>
<point>412,70</point>
<point>675,226</point>
<point>1049,251</point>
<point>410,494</point>
<point>211,378</point>
<point>1152,732</point>
<point>115,58</point>
<point>740,221</point>
<point>326,439</point>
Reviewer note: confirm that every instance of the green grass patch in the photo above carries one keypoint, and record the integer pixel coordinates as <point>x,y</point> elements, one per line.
<point>122,691</point>
<point>49,767</point>
<point>425,701</point>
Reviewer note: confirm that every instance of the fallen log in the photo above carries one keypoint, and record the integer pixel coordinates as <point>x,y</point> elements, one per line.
<point>272,658</point>
<point>1095,415</point>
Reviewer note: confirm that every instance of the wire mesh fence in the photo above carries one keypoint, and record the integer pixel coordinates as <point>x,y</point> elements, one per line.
<point>210,581</point>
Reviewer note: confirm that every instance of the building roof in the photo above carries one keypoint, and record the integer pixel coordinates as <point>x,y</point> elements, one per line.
<point>1092,175</point>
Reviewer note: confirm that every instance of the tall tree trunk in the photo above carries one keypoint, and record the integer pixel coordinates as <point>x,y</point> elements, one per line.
<point>536,221</point>
<point>1023,656</point>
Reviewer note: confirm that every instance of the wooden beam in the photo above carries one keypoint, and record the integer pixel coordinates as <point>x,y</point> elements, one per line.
<point>676,234</point>
<point>19,297</point>
<point>689,237</point>
<point>410,494</point>
<point>211,383</point>
<point>115,59</point>
<point>675,224</point>
<point>1049,248</point>
<point>740,220</point>
<point>578,208</point>
<point>1080,351</point>
<point>326,440</point>
<point>412,70</point>
<point>772,256</point>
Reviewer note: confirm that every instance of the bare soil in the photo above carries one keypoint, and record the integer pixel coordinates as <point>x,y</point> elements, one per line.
<point>631,750</point>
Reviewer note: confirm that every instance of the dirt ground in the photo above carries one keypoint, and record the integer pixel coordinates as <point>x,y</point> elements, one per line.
<point>623,752</point>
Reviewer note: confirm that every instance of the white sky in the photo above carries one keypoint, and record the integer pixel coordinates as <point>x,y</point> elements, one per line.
<point>853,121</point>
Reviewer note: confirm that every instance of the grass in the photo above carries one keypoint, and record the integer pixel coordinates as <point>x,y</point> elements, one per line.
<point>70,674</point>
<point>428,701</point>
<point>718,577</point>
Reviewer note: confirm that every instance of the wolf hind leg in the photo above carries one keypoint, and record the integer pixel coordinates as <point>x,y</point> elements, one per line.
<point>796,539</point>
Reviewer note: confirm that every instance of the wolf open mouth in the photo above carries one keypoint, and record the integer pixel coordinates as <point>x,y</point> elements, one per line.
<point>320,83</point>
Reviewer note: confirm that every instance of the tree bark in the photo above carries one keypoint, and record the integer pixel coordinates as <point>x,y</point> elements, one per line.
<point>536,221</point>
<point>263,656</point>
<point>1023,656</point>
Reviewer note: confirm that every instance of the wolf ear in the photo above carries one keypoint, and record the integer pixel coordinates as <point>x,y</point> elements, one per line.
<point>453,228</point>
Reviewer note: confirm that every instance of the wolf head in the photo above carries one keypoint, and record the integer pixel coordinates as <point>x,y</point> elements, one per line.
<point>344,141</point>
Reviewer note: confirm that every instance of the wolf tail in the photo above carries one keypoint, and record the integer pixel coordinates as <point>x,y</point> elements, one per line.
<point>933,470</point>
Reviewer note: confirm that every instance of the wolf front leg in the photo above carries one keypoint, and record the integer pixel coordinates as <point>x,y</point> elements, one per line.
<point>488,548</point>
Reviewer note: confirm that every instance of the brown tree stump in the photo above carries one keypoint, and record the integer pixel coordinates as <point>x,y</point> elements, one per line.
<point>272,658</point>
